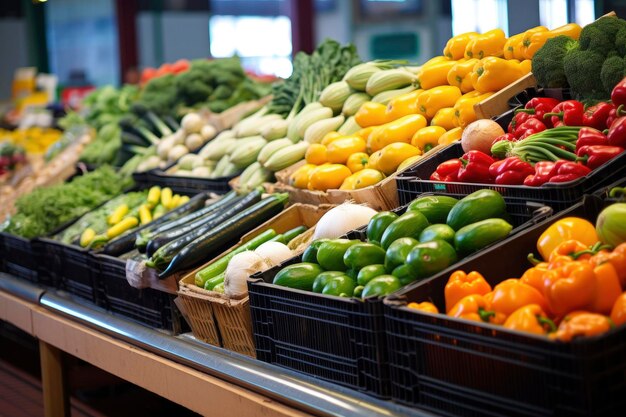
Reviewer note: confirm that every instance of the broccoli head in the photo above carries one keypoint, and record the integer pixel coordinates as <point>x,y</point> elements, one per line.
<point>613,71</point>
<point>159,94</point>
<point>620,41</point>
<point>600,36</point>
<point>582,69</point>
<point>547,63</point>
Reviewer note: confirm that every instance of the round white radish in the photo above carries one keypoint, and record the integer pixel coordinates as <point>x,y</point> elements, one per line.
<point>341,219</point>
<point>274,253</point>
<point>187,161</point>
<point>177,152</point>
<point>208,132</point>
<point>178,137</point>
<point>201,172</point>
<point>193,141</point>
<point>192,123</point>
<point>479,135</point>
<point>240,267</point>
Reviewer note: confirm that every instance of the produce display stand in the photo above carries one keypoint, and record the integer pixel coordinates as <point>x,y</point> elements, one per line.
<point>528,375</point>
<point>205,379</point>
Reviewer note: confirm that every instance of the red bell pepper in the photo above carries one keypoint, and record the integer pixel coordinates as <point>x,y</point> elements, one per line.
<point>596,116</point>
<point>517,120</point>
<point>539,106</point>
<point>598,155</point>
<point>618,95</point>
<point>568,113</point>
<point>509,137</point>
<point>511,171</point>
<point>617,133</point>
<point>447,171</point>
<point>615,113</point>
<point>588,136</point>
<point>565,171</point>
<point>529,127</point>
<point>476,167</point>
<point>543,173</point>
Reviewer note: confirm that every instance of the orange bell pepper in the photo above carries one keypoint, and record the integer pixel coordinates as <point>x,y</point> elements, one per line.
<point>455,47</point>
<point>425,306</point>
<point>618,312</point>
<point>569,248</point>
<point>572,286</point>
<point>582,324</point>
<point>476,308</point>
<point>460,75</point>
<point>536,40</point>
<point>461,284</point>
<point>403,105</point>
<point>608,288</point>
<point>511,294</point>
<point>566,229</point>
<point>490,43</point>
<point>531,319</point>
<point>617,258</point>
<point>371,114</point>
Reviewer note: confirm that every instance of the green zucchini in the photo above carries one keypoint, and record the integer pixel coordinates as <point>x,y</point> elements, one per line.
<point>170,243</point>
<point>300,276</point>
<point>220,265</point>
<point>475,236</point>
<point>293,233</point>
<point>210,242</point>
<point>480,205</point>
<point>410,224</point>
<point>434,207</point>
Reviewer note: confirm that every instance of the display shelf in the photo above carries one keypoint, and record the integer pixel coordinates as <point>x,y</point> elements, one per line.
<point>206,379</point>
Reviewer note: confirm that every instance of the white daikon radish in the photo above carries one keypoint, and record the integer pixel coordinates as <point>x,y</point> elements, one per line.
<point>341,219</point>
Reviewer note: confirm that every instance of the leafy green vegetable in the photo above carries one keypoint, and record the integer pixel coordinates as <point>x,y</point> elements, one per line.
<point>45,209</point>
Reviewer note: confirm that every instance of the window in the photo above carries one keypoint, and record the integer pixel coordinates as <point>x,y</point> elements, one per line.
<point>479,16</point>
<point>553,13</point>
<point>585,12</point>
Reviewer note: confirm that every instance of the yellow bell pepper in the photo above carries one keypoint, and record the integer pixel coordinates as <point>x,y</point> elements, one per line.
<point>401,130</point>
<point>357,161</point>
<point>329,176</point>
<point>434,75</point>
<point>464,108</point>
<point>403,105</point>
<point>392,155</point>
<point>329,137</point>
<point>492,74</point>
<point>508,51</point>
<point>536,40</point>
<point>300,177</point>
<point>362,179</point>
<point>455,47</point>
<point>371,114</point>
<point>526,66</point>
<point>315,154</point>
<point>427,138</point>
<point>434,60</point>
<point>488,44</point>
<point>520,48</point>
<point>430,101</point>
<point>340,150</point>
<point>444,118</point>
<point>451,136</point>
<point>460,75</point>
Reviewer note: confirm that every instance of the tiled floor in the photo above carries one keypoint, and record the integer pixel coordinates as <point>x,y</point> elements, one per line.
<point>20,395</point>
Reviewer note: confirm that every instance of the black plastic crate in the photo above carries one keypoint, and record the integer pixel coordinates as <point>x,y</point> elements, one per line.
<point>146,306</point>
<point>461,368</point>
<point>341,340</point>
<point>415,181</point>
<point>190,185</point>
<point>21,258</point>
<point>604,193</point>
<point>72,268</point>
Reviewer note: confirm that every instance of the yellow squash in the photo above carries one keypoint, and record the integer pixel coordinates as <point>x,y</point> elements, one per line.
<point>371,114</point>
<point>427,138</point>
<point>408,162</point>
<point>431,101</point>
<point>488,44</point>
<point>340,150</point>
<point>403,105</point>
<point>450,136</point>
<point>357,161</point>
<point>492,74</point>
<point>444,118</point>
<point>392,155</point>
<point>401,130</point>
<point>434,75</point>
<point>455,47</point>
<point>362,179</point>
<point>300,177</point>
<point>460,75</point>
<point>329,137</point>
<point>327,177</point>
<point>315,154</point>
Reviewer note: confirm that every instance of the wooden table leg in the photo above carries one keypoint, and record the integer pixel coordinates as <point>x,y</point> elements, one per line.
<point>55,396</point>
